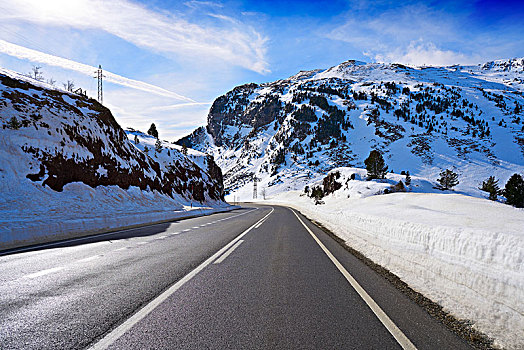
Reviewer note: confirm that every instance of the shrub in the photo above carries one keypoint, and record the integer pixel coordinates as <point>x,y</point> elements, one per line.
<point>13,123</point>
<point>398,187</point>
<point>330,183</point>
<point>408,178</point>
<point>317,194</point>
<point>158,146</point>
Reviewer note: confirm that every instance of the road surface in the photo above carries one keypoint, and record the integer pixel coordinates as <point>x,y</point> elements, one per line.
<point>260,277</point>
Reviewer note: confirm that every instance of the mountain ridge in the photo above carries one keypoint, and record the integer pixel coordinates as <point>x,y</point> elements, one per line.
<point>456,116</point>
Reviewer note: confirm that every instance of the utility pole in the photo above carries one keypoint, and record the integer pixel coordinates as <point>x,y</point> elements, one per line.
<point>99,76</point>
<point>255,187</point>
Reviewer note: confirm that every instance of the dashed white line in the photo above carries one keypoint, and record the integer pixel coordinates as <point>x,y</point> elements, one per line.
<point>90,258</point>
<point>140,243</point>
<point>175,233</point>
<point>186,230</point>
<point>113,336</point>
<point>226,254</point>
<point>44,272</point>
<point>161,237</point>
<point>260,224</point>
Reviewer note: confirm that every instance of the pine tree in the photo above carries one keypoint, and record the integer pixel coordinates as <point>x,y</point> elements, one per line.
<point>491,185</point>
<point>408,178</point>
<point>137,141</point>
<point>146,150</point>
<point>514,191</point>
<point>13,123</point>
<point>184,150</point>
<point>153,131</point>
<point>375,165</point>
<point>448,179</point>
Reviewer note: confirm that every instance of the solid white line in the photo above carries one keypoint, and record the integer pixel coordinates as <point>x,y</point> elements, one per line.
<point>44,272</point>
<point>113,336</point>
<point>226,254</point>
<point>381,315</point>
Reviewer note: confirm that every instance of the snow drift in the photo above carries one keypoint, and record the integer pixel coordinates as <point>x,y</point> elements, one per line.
<point>465,253</point>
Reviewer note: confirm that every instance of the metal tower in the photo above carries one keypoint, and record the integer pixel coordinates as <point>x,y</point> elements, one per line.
<point>255,187</point>
<point>99,76</point>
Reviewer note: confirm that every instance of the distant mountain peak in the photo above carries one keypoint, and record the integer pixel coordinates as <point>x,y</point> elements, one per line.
<point>422,119</point>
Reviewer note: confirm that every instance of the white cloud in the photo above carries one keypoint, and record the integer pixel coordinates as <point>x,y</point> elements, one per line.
<point>179,105</point>
<point>419,53</point>
<point>37,56</point>
<point>136,109</point>
<point>162,32</point>
<point>411,34</point>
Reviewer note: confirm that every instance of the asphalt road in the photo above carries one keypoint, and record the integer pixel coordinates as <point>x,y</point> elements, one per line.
<point>197,284</point>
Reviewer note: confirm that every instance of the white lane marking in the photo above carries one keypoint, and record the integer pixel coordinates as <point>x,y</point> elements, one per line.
<point>186,230</point>
<point>226,254</point>
<point>52,244</point>
<point>161,237</point>
<point>113,336</point>
<point>260,224</point>
<point>194,227</point>
<point>90,258</point>
<point>123,248</point>
<point>381,315</point>
<point>140,243</point>
<point>175,233</point>
<point>44,272</point>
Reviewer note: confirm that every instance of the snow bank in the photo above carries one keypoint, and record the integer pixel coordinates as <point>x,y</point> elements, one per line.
<point>465,253</point>
<point>39,214</point>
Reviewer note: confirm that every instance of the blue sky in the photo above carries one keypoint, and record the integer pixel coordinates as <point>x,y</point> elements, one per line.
<point>168,60</point>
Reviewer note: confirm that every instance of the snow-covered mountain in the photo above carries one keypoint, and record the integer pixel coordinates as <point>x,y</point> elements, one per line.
<point>64,157</point>
<point>423,119</point>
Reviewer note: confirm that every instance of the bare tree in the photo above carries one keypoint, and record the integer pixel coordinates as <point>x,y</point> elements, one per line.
<point>36,73</point>
<point>263,192</point>
<point>69,86</point>
<point>51,81</point>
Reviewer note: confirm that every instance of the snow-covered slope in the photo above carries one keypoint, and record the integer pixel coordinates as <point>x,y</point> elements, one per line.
<point>66,165</point>
<point>464,253</point>
<point>423,119</point>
